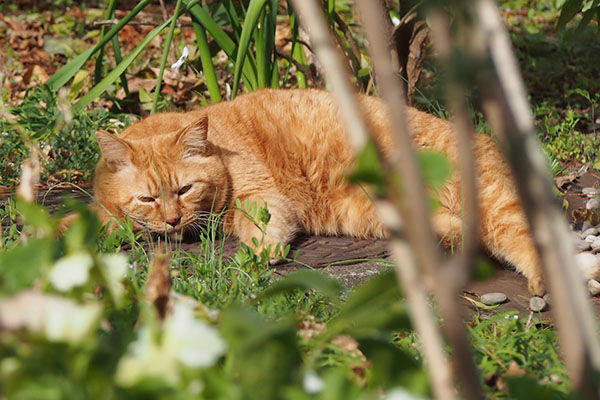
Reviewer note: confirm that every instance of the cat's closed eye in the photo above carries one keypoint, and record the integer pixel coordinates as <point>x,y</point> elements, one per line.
<point>184,190</point>
<point>146,199</point>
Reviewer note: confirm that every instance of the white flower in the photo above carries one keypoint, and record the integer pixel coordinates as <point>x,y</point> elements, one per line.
<point>114,268</point>
<point>185,340</point>
<point>58,319</point>
<point>395,21</point>
<point>194,342</point>
<point>147,358</point>
<point>67,321</point>
<point>401,394</point>
<point>71,271</point>
<point>177,64</point>
<point>312,383</point>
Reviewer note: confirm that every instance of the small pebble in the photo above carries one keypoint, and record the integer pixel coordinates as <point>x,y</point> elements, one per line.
<point>537,304</point>
<point>592,204</point>
<point>589,265</point>
<point>547,298</point>
<point>491,299</point>
<point>589,231</point>
<point>587,225</point>
<point>594,287</point>
<point>582,245</point>
<point>595,245</point>
<point>591,238</point>
<point>589,191</point>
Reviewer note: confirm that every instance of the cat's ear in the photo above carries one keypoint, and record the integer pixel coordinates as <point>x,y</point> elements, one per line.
<point>116,152</point>
<point>193,138</point>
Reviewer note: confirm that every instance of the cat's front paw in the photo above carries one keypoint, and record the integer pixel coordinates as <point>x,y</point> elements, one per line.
<point>536,286</point>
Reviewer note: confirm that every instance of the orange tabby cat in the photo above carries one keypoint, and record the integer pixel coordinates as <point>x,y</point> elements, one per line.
<point>288,149</point>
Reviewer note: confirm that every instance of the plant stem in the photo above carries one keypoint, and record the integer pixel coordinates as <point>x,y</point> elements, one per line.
<point>165,55</point>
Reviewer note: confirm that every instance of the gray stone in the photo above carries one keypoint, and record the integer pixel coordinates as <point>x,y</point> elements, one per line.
<point>491,299</point>
<point>589,191</point>
<point>587,225</point>
<point>582,245</point>
<point>595,245</point>
<point>547,298</point>
<point>537,304</point>
<point>591,238</point>
<point>589,231</point>
<point>594,287</point>
<point>592,204</point>
<point>589,265</point>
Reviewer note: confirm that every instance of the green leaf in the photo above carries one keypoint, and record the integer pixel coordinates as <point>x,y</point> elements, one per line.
<point>20,266</point>
<point>373,307</point>
<point>568,12</point>
<point>79,82</point>
<point>304,279</point>
<point>368,167</point>
<point>250,22</point>
<point>586,18</point>
<point>36,216</point>
<point>483,269</point>
<point>84,232</point>
<point>526,387</point>
<point>392,367</point>
<point>434,167</point>
<point>266,352</point>
<point>339,386</point>
<point>145,98</point>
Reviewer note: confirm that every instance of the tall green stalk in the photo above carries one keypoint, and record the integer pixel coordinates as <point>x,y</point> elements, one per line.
<point>100,59</point>
<point>208,68</point>
<point>165,55</point>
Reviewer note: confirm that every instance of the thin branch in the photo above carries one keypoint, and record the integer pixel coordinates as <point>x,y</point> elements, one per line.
<point>509,114</point>
<point>312,18</point>
<point>440,26</point>
<point>414,207</point>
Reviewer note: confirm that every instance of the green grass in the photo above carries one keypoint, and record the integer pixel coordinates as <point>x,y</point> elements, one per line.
<point>281,328</point>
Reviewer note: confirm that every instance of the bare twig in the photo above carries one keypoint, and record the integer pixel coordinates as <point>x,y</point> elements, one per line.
<point>115,21</point>
<point>464,135</point>
<point>509,113</point>
<point>311,17</point>
<point>414,207</point>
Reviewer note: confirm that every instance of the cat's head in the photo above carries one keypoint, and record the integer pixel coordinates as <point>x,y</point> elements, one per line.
<point>164,181</point>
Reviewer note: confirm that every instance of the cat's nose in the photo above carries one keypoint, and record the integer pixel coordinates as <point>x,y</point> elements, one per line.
<point>174,221</point>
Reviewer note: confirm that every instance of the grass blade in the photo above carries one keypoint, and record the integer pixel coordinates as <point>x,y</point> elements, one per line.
<point>252,16</point>
<point>225,43</point>
<point>118,59</point>
<point>165,54</point>
<point>63,75</point>
<point>207,66</point>
<point>296,52</point>
<point>100,59</point>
